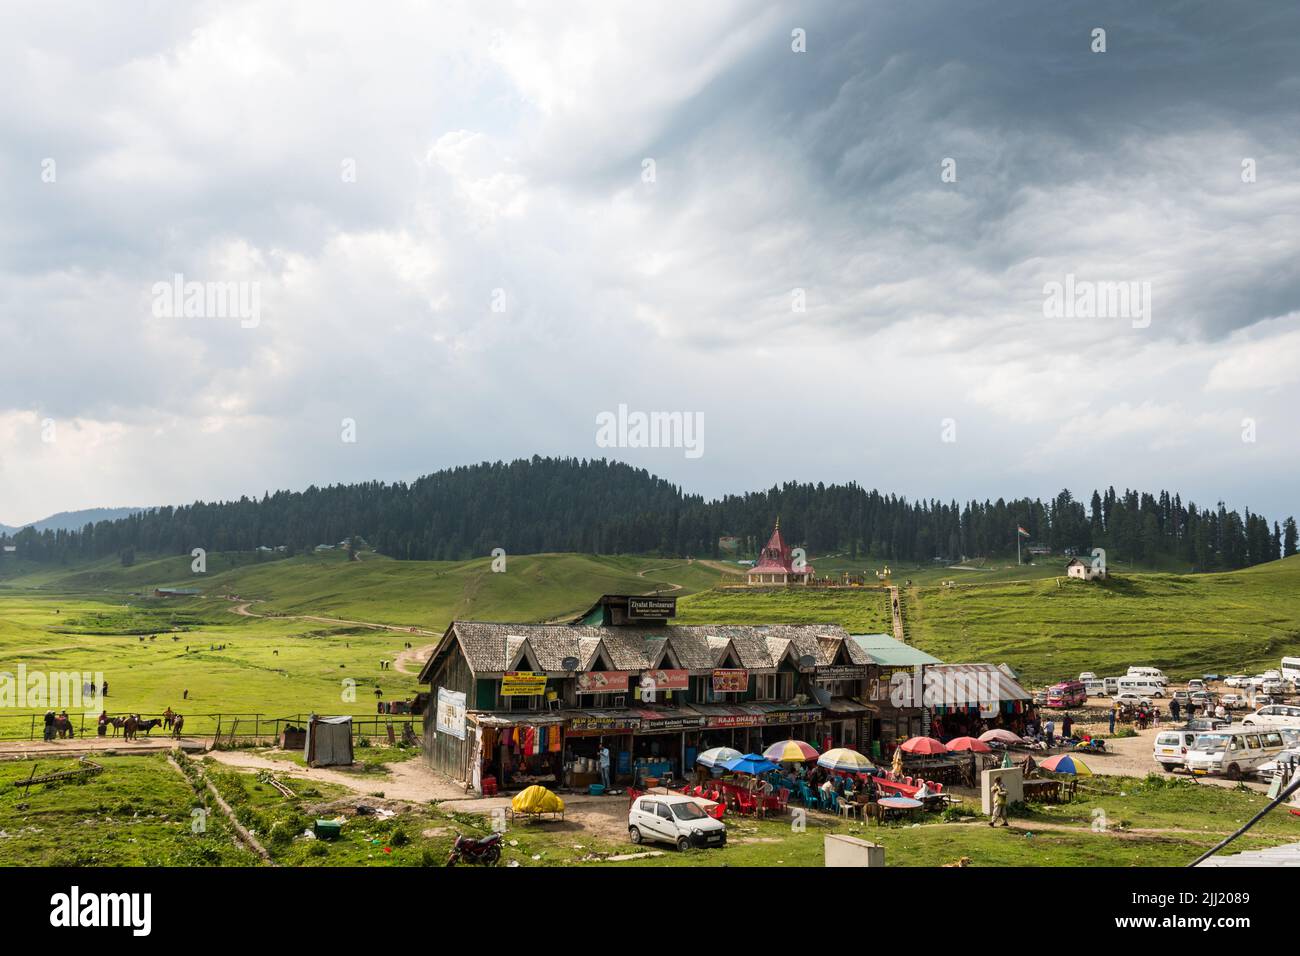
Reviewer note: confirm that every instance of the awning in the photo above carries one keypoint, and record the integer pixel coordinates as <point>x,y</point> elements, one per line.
<point>846,707</point>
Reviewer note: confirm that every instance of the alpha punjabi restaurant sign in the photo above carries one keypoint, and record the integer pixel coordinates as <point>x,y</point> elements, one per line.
<point>603,682</point>
<point>522,684</point>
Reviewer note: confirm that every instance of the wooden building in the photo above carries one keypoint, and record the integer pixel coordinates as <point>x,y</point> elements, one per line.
<point>776,565</point>
<point>516,704</point>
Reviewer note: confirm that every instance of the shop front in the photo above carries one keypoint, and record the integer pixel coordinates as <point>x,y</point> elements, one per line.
<point>660,748</point>
<point>585,732</point>
<point>511,753</point>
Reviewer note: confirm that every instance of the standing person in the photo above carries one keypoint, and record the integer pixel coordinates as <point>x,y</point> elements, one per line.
<point>1066,725</point>
<point>1049,732</point>
<point>1114,713</point>
<point>603,755</point>
<point>49,725</point>
<point>1174,708</point>
<point>999,804</point>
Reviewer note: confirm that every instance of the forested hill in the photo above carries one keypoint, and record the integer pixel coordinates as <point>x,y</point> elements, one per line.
<point>606,507</point>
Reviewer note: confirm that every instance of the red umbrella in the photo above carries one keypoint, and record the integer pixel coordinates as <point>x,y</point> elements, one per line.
<point>923,745</point>
<point>969,743</point>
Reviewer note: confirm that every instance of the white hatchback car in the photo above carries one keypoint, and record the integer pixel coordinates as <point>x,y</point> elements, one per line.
<point>676,819</point>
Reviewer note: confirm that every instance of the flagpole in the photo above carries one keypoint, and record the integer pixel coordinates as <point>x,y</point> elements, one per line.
<point>1017,545</point>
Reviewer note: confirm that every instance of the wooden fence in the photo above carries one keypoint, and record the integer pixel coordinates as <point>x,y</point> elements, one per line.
<point>238,726</point>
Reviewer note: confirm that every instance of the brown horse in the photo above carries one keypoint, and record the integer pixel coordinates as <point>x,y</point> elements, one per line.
<point>177,724</point>
<point>129,725</point>
<point>63,727</point>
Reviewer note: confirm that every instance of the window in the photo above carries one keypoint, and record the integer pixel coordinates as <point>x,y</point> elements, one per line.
<point>1252,742</point>
<point>662,810</point>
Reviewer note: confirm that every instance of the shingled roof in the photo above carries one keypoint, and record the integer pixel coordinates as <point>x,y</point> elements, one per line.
<point>491,648</point>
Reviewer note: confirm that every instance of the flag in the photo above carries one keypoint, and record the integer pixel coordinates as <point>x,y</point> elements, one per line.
<point>1022,531</point>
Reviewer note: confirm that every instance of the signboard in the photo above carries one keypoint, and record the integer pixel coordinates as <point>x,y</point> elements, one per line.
<point>651,608</point>
<point>735,720</point>
<point>522,684</point>
<point>591,726</point>
<point>654,721</point>
<point>793,716</point>
<point>603,682</point>
<point>733,680</point>
<point>842,672</point>
<point>451,713</point>
<point>667,680</point>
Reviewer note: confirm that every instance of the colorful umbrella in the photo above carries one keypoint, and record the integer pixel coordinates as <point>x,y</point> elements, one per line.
<point>969,743</point>
<point>790,751</point>
<point>923,745</point>
<point>717,757</point>
<point>1000,736</point>
<point>1065,763</point>
<point>844,759</point>
<point>750,763</point>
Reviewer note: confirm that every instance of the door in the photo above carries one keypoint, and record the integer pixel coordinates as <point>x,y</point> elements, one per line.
<point>667,824</point>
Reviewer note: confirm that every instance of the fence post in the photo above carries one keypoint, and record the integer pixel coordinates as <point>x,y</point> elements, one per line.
<point>32,735</point>
<point>257,726</point>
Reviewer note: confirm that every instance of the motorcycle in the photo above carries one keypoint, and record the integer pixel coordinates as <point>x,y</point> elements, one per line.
<point>485,850</point>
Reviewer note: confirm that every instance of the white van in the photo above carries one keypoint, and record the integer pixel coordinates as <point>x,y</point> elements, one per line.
<point>1154,674</point>
<point>1112,685</point>
<point>1234,751</point>
<point>1291,670</point>
<point>1196,687</point>
<point>1095,688</point>
<point>1274,715</point>
<point>1141,686</point>
<point>1171,746</point>
<point>676,819</point>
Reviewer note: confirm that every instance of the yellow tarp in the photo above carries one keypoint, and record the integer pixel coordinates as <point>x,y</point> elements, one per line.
<point>536,799</point>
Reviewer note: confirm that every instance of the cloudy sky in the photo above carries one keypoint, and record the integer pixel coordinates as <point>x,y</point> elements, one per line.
<point>472,228</point>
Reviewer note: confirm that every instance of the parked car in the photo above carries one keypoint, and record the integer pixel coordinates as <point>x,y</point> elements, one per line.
<point>1196,686</point>
<point>1271,686</point>
<point>1233,752</point>
<point>1273,715</point>
<point>1181,696</point>
<point>1211,677</point>
<point>1233,701</point>
<point>675,819</point>
<point>1237,680</point>
<point>1087,676</point>
<point>1171,746</point>
<point>1206,723</point>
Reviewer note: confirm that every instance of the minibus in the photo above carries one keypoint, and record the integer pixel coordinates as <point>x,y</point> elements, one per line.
<point>1234,751</point>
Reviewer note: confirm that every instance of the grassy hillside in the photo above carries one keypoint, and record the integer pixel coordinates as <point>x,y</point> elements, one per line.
<point>860,610</point>
<point>1054,627</point>
<point>1185,624</point>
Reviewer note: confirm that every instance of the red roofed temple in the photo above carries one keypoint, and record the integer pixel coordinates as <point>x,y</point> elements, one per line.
<point>776,563</point>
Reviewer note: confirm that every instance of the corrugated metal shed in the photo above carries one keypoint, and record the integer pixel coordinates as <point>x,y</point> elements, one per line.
<point>887,651</point>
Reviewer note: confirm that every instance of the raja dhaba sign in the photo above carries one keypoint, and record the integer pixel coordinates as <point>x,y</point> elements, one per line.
<point>731,680</point>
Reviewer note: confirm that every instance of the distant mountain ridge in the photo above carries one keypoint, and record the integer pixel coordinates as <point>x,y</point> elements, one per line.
<point>73,520</point>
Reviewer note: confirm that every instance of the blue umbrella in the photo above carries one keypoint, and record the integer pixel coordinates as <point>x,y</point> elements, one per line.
<point>751,764</point>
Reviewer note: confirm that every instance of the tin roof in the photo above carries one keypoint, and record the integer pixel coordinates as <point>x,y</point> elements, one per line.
<point>887,651</point>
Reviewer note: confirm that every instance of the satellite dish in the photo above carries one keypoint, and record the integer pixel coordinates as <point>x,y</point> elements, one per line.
<point>570,663</point>
<point>807,662</point>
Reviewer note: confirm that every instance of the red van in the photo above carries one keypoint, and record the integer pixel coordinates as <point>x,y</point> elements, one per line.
<point>1068,693</point>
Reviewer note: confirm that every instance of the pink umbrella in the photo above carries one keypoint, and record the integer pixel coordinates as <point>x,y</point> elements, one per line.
<point>1001,736</point>
<point>923,745</point>
<point>969,743</point>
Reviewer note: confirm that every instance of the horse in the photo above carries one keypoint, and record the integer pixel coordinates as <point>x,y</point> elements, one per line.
<point>63,727</point>
<point>129,725</point>
<point>148,725</point>
<point>177,724</point>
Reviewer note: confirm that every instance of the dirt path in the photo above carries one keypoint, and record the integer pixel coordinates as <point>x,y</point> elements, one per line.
<point>671,587</point>
<point>242,609</point>
<point>97,745</point>
<point>409,780</point>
